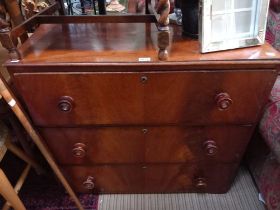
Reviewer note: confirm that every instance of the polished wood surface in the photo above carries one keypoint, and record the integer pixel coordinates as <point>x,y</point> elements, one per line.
<point>144,98</point>
<point>164,144</point>
<point>156,178</point>
<point>122,42</point>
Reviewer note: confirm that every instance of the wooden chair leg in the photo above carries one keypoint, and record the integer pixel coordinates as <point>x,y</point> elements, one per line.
<point>8,192</point>
<point>19,184</point>
<point>18,152</point>
<point>23,118</point>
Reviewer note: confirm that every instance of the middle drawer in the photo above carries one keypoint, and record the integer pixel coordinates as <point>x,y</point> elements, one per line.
<point>165,144</point>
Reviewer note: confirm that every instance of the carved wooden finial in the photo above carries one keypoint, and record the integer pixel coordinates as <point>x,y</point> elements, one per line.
<point>4,24</point>
<point>163,9</point>
<point>8,43</point>
<point>3,17</point>
<point>5,36</point>
<point>163,43</point>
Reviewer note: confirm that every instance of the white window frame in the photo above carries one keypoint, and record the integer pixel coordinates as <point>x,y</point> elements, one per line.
<point>205,27</point>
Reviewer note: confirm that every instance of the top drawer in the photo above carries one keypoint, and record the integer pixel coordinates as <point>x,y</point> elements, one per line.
<point>204,97</point>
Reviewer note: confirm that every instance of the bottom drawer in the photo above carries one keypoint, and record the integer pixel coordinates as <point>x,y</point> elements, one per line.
<point>151,178</point>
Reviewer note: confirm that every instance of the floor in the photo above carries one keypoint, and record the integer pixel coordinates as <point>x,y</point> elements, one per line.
<point>242,196</point>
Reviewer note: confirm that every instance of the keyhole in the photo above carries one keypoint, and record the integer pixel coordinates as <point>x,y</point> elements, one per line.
<point>144,79</point>
<point>145,130</point>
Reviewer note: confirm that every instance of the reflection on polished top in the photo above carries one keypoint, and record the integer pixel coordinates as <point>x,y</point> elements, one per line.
<point>122,42</point>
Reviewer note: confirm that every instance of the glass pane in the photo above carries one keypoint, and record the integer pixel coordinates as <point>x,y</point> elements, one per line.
<point>233,23</point>
<point>243,22</point>
<point>239,4</point>
<point>218,5</point>
<point>218,28</point>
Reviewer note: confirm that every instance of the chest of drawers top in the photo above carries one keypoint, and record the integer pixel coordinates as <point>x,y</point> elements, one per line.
<point>110,73</point>
<point>127,43</point>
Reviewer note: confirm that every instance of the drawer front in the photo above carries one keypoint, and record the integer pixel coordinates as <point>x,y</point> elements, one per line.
<point>151,178</point>
<point>147,144</point>
<point>69,99</point>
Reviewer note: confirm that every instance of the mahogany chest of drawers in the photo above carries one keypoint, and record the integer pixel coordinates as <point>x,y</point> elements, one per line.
<point>119,120</point>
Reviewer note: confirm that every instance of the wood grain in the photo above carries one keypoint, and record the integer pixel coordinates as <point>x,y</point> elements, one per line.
<point>152,178</point>
<point>122,42</point>
<point>165,98</point>
<point>164,144</point>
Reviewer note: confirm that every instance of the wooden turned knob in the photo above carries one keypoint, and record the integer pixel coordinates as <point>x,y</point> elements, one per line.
<point>200,183</point>
<point>65,104</point>
<point>210,147</point>
<point>89,184</point>
<point>223,101</point>
<point>79,150</point>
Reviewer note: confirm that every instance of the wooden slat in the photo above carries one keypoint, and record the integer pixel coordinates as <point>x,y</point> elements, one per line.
<point>96,19</point>
<point>31,22</point>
